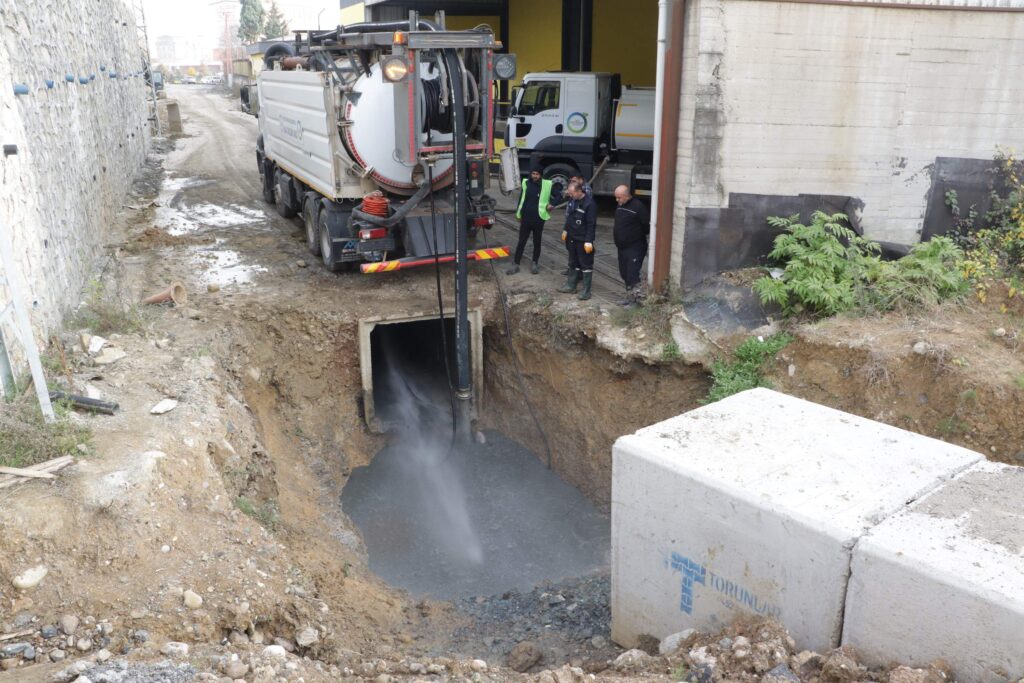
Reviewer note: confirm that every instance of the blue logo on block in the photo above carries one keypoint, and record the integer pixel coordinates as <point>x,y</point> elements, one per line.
<point>693,572</point>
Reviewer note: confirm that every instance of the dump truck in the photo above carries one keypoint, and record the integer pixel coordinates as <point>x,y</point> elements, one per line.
<point>360,136</point>
<point>585,124</point>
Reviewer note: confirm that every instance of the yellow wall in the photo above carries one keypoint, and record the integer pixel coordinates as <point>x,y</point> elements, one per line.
<point>353,14</point>
<point>535,34</point>
<point>627,46</point>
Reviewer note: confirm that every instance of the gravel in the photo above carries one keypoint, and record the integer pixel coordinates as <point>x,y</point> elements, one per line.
<point>567,619</point>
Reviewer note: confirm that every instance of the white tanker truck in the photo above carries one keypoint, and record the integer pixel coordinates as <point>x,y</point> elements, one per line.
<point>586,124</point>
<point>360,135</point>
<point>379,135</point>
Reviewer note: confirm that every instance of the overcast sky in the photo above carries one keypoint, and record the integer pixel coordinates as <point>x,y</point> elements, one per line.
<point>202,21</point>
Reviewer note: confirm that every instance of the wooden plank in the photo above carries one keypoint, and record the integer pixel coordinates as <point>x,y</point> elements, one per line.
<point>20,472</point>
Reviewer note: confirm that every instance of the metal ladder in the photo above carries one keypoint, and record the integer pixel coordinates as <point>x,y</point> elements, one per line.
<point>10,278</point>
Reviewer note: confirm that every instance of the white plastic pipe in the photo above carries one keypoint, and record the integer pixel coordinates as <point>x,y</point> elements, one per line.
<point>664,9</point>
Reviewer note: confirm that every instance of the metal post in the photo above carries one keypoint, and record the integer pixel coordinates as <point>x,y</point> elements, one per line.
<point>463,376</point>
<point>149,67</point>
<point>24,325</point>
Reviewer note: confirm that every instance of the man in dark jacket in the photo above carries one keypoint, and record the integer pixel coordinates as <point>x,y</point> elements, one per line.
<point>632,226</point>
<point>579,233</point>
<point>535,204</point>
<point>570,207</point>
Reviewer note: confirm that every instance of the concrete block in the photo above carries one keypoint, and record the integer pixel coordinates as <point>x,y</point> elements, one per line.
<point>945,579</point>
<point>753,505</point>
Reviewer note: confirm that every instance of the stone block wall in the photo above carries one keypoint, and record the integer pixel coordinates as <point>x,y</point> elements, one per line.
<point>81,131</point>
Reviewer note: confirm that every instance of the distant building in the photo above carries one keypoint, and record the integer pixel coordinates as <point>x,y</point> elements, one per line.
<point>166,49</point>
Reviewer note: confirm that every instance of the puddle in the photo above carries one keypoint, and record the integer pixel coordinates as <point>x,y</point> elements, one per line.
<point>178,217</point>
<point>528,526</point>
<point>225,267</point>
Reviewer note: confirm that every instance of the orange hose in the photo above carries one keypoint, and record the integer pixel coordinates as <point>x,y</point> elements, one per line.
<point>376,204</point>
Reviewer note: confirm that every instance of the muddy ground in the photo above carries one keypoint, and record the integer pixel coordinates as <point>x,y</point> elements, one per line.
<point>232,496</point>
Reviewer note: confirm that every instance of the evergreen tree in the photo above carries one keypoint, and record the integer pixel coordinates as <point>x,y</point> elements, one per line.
<point>250,25</point>
<point>276,26</point>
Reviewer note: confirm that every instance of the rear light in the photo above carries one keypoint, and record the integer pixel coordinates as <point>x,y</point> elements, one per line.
<point>373,233</point>
<point>483,221</point>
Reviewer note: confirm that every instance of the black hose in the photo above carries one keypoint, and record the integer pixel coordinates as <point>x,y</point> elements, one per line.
<point>278,51</point>
<point>382,26</point>
<point>517,366</point>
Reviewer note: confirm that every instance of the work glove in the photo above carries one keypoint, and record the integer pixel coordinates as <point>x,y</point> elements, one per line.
<point>564,235</point>
<point>588,247</point>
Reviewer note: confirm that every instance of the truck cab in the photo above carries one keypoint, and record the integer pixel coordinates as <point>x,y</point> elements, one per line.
<point>579,123</point>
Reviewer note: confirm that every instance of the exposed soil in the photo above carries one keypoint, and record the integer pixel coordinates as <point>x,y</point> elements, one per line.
<point>233,495</point>
<point>956,373</point>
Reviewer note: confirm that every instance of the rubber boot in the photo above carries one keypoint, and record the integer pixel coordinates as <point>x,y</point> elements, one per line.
<point>535,268</point>
<point>568,271</point>
<point>627,300</point>
<point>588,278</point>
<point>570,283</point>
<point>513,270</point>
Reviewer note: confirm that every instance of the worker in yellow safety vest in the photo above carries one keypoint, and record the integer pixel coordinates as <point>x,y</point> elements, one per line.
<point>535,203</point>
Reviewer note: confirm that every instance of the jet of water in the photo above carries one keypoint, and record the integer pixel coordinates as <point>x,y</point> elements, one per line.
<point>423,439</point>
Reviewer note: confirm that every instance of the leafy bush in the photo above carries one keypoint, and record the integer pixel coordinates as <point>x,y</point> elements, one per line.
<point>744,371</point>
<point>926,276</point>
<point>995,246</point>
<point>822,261</point>
<point>829,269</point>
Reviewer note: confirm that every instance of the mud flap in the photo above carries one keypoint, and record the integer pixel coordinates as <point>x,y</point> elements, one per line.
<point>343,243</point>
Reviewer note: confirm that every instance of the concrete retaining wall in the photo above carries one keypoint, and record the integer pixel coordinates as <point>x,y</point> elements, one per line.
<point>945,580</point>
<point>753,505</point>
<point>79,144</point>
<point>785,99</point>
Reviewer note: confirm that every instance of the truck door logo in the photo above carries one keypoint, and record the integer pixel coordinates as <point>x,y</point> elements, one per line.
<point>577,122</point>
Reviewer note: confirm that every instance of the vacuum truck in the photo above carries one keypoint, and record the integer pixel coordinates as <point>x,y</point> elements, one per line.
<point>584,124</point>
<point>379,134</point>
<point>360,135</point>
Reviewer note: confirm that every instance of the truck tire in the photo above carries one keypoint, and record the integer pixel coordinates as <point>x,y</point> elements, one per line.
<point>559,174</point>
<point>311,219</point>
<point>329,255</point>
<point>283,195</point>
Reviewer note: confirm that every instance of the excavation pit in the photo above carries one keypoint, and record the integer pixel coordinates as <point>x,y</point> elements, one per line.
<point>480,519</point>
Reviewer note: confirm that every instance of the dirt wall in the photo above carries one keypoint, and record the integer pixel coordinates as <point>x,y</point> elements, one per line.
<point>585,397</point>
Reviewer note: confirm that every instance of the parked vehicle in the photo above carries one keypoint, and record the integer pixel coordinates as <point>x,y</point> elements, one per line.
<point>356,136</point>
<point>584,123</point>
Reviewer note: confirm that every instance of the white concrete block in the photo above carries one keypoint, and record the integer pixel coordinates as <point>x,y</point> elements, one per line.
<point>753,505</point>
<point>945,579</point>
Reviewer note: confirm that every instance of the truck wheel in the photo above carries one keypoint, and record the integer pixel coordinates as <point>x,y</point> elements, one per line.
<point>283,196</point>
<point>559,174</point>
<point>328,254</point>
<point>311,218</point>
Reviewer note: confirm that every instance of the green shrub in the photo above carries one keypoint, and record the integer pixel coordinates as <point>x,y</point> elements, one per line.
<point>829,269</point>
<point>744,371</point>
<point>822,263</point>
<point>926,276</point>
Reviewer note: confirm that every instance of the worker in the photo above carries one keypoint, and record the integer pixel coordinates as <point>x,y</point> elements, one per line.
<point>632,226</point>
<point>570,207</point>
<point>535,204</point>
<point>580,229</point>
